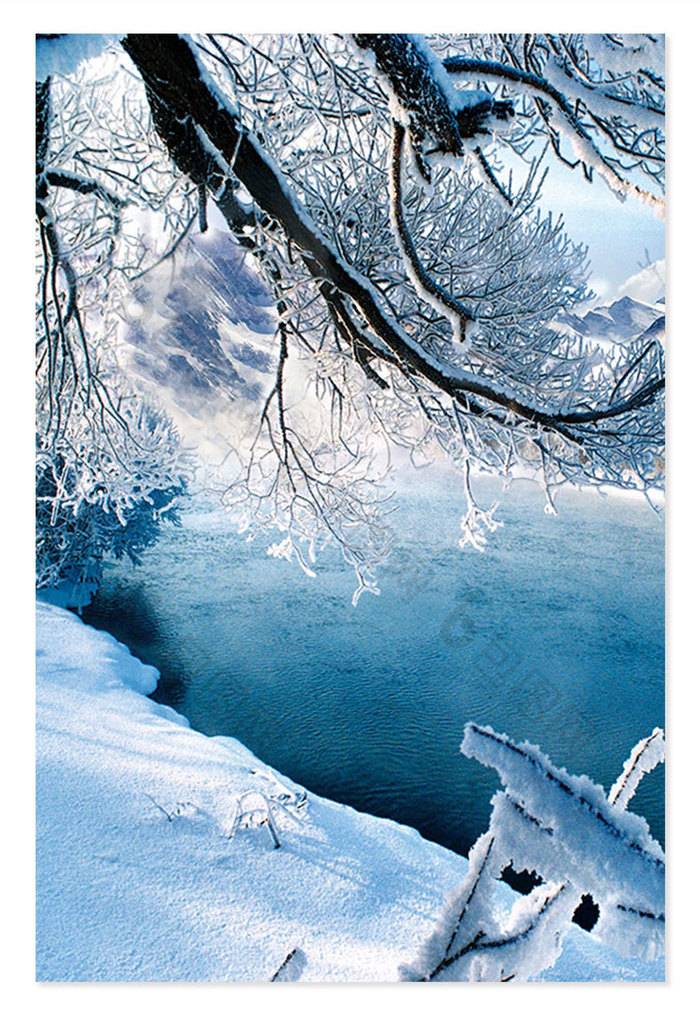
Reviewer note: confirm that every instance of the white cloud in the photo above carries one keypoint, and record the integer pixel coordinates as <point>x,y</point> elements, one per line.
<point>648,285</point>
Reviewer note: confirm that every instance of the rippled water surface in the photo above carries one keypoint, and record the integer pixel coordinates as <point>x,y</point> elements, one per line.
<point>554,634</point>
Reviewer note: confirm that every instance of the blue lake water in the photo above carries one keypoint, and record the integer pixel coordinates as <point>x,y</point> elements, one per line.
<point>554,634</point>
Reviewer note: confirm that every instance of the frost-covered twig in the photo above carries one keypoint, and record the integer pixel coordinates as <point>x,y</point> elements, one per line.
<point>627,858</point>
<point>161,58</point>
<point>179,810</point>
<point>291,967</point>
<point>563,117</point>
<point>254,809</point>
<point>446,304</point>
<point>291,137</point>
<point>420,91</point>
<point>529,943</point>
<point>646,755</point>
<point>564,828</point>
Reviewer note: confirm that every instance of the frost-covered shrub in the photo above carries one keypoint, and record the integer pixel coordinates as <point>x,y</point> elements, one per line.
<point>109,467</point>
<point>103,494</point>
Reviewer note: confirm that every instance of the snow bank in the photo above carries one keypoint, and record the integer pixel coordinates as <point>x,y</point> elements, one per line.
<point>138,879</point>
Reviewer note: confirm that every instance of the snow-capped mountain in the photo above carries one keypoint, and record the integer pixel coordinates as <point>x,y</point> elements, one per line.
<point>202,328</point>
<point>637,310</point>
<point>620,321</point>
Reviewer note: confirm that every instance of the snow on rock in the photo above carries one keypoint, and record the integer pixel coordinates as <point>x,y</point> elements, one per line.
<point>623,320</point>
<point>136,879</point>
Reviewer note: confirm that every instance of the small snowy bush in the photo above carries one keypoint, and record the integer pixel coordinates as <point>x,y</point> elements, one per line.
<point>99,495</point>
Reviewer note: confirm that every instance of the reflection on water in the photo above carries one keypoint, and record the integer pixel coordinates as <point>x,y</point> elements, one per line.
<point>555,634</point>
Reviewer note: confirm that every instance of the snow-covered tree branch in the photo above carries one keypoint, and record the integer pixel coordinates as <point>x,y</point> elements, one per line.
<point>414,281</point>
<point>109,466</point>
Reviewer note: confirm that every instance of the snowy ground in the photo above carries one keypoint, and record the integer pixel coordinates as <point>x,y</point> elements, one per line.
<point>137,879</point>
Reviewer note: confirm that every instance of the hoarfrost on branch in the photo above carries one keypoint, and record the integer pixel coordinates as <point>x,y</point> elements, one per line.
<point>414,282</point>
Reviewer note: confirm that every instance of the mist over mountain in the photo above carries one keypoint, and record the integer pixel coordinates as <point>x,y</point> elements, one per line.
<point>201,332</point>
<point>206,327</point>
